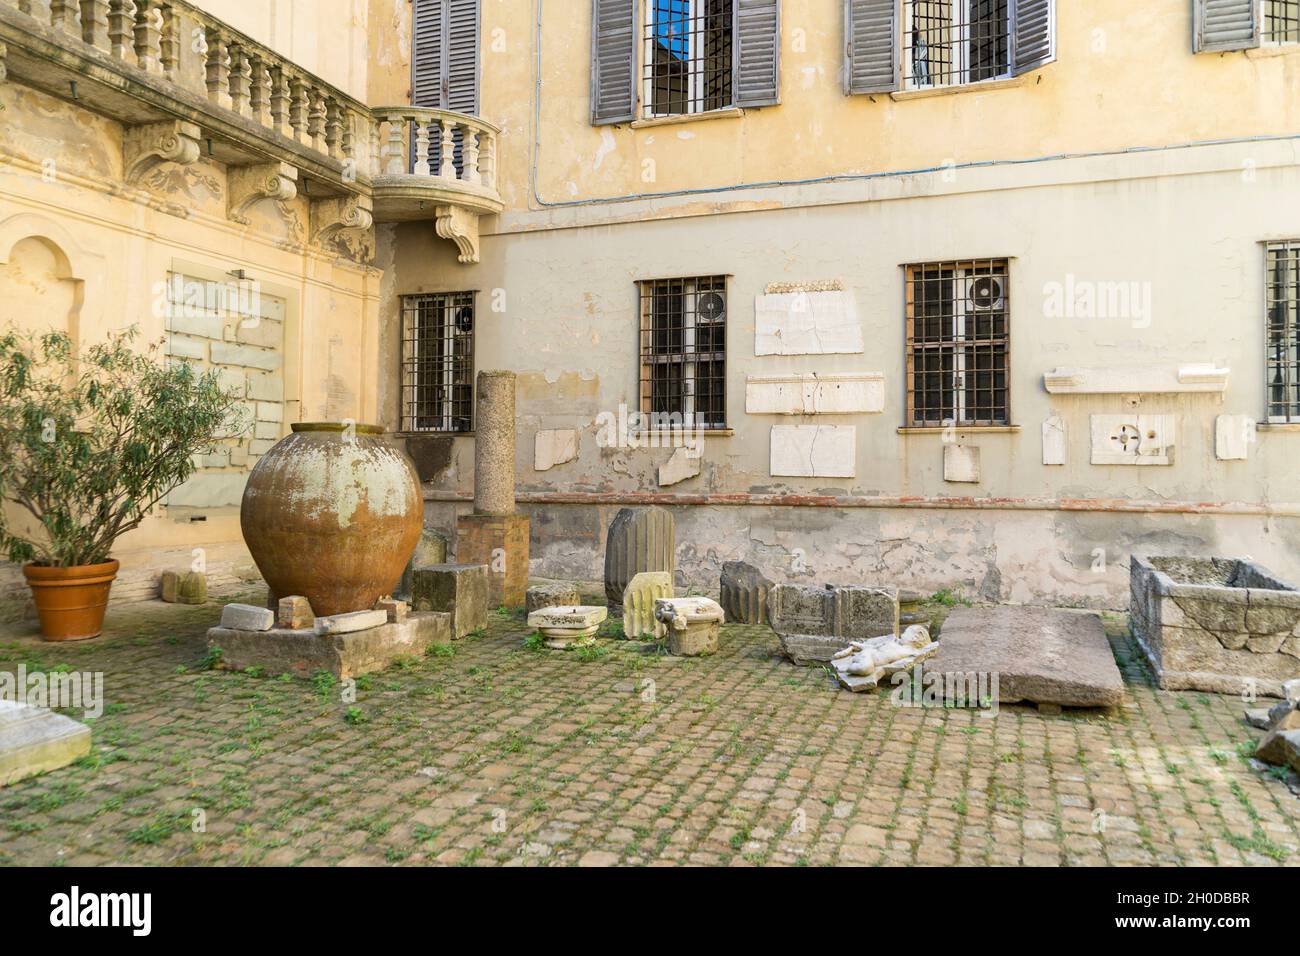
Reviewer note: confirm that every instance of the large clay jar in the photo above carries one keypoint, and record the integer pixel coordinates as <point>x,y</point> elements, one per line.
<point>333,513</point>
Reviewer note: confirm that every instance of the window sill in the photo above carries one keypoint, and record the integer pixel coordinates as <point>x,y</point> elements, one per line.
<point>670,434</point>
<point>433,434</point>
<point>734,112</point>
<point>1269,49</point>
<point>982,86</point>
<point>1278,427</point>
<point>940,429</point>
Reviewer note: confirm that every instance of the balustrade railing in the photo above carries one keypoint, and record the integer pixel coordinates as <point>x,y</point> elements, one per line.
<point>440,144</point>
<point>178,42</point>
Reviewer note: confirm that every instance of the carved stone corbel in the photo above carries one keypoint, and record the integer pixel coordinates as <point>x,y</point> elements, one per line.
<point>460,225</point>
<point>332,216</point>
<point>147,146</point>
<point>248,185</point>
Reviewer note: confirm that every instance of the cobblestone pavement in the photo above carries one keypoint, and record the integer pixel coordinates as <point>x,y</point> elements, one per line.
<point>496,753</point>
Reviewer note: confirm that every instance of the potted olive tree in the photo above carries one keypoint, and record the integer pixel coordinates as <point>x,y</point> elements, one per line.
<point>89,443</point>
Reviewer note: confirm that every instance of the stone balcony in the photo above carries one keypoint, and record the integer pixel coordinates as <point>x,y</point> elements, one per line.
<point>437,164</point>
<point>185,85</point>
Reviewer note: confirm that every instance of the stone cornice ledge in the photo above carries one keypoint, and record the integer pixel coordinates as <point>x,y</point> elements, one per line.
<point>1193,377</point>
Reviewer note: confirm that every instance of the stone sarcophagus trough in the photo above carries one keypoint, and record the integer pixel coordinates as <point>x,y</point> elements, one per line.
<point>1215,624</point>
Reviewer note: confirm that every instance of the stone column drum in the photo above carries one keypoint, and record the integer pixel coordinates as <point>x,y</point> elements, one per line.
<point>639,539</point>
<point>494,535</point>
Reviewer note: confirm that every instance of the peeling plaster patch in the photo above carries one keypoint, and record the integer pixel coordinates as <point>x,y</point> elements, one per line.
<point>678,468</point>
<point>606,147</point>
<point>685,134</point>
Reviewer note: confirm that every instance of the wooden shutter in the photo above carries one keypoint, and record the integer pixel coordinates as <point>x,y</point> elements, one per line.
<point>445,73</point>
<point>1226,25</point>
<point>613,61</point>
<point>428,65</point>
<point>1033,34</point>
<point>870,46</point>
<point>462,56</point>
<point>757,52</point>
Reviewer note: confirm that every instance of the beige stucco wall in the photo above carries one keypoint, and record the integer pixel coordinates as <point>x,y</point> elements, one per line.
<point>61,185</point>
<point>325,37</point>
<point>1125,77</point>
<point>1187,224</point>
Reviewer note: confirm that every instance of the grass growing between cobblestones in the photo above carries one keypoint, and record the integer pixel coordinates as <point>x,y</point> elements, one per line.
<point>494,752</point>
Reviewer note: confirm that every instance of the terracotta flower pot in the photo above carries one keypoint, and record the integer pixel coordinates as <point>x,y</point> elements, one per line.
<point>71,601</point>
<point>333,516</point>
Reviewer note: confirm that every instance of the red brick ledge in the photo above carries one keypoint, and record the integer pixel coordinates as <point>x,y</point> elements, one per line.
<point>745,499</point>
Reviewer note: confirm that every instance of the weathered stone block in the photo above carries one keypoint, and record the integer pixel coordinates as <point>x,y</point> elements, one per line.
<point>245,617</point>
<point>430,550</point>
<point>167,586</point>
<point>639,604</point>
<point>394,609</point>
<point>558,594</point>
<point>350,622</point>
<point>692,624</point>
<point>192,588</point>
<point>501,543</point>
<point>961,463</point>
<point>1282,748</point>
<point>461,590</point>
<point>639,539</point>
<point>35,740</point>
<point>743,590</point>
<point>554,446</point>
<point>304,652</point>
<point>568,626</point>
<point>246,356</point>
<point>294,613</point>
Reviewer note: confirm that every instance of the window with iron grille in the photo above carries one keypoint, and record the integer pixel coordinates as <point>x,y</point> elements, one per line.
<point>1282,298</point>
<point>951,42</point>
<point>684,352</point>
<point>1282,21</point>
<point>686,59</point>
<point>957,343</point>
<point>438,362</point>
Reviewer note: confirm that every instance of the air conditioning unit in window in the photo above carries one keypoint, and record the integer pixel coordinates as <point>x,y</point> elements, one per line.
<point>986,293</point>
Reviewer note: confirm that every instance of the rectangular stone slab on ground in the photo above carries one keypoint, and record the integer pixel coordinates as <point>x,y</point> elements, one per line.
<point>1040,655</point>
<point>350,622</point>
<point>35,740</point>
<point>304,652</point>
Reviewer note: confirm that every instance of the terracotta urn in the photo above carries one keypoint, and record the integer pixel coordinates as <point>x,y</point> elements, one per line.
<point>333,513</point>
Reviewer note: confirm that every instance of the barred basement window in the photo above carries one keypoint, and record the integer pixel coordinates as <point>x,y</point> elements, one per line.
<point>438,362</point>
<point>1282,21</point>
<point>684,352</point>
<point>957,343</point>
<point>951,42</point>
<point>1282,299</point>
<point>686,64</point>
